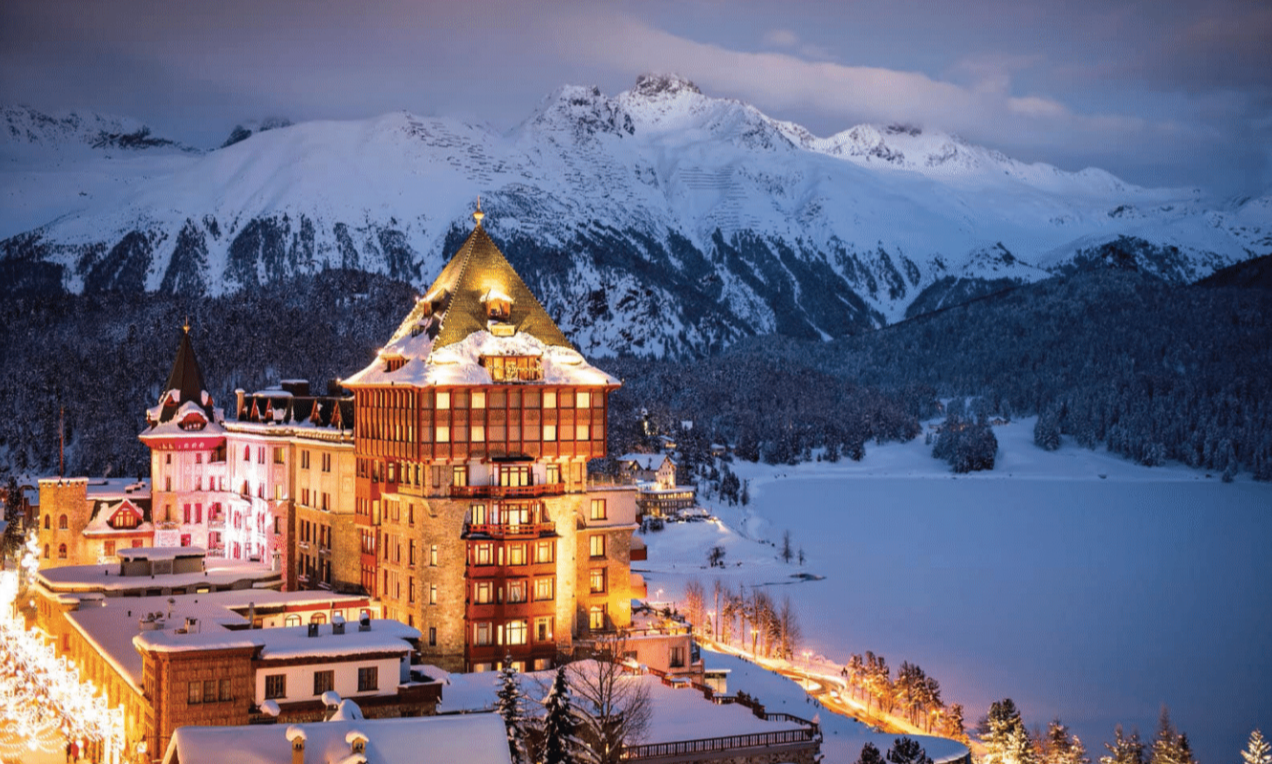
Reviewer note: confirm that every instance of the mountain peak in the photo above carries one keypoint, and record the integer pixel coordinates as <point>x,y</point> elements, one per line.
<point>653,85</point>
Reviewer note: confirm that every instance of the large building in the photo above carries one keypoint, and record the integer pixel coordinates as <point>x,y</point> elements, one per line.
<point>475,425</point>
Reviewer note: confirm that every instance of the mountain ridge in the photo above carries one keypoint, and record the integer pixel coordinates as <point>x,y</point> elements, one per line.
<point>658,221</point>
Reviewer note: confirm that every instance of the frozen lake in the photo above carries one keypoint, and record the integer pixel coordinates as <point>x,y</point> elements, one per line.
<point>1095,599</point>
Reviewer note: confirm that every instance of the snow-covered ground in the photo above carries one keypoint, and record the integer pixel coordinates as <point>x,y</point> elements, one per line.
<point>1079,584</point>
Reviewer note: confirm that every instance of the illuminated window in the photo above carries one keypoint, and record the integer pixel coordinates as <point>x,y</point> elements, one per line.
<point>583,400</point>
<point>194,693</point>
<point>549,399</point>
<point>61,551</point>
<point>459,475</point>
<point>292,620</point>
<point>443,434</point>
<point>581,432</point>
<point>516,554</point>
<point>225,693</point>
<point>544,551</point>
<point>61,523</point>
<point>596,617</point>
<point>516,632</point>
<point>478,434</point>
<point>432,594</point>
<point>598,509</point>
<point>553,474</point>
<point>278,456</point>
<point>516,591</point>
<point>549,432</point>
<point>443,400</point>
<point>542,629</point>
<point>479,399</point>
<point>483,554</point>
<point>481,634</point>
<point>544,589</point>
<point>432,556</point>
<point>482,593</point>
<point>597,546</point>
<point>596,581</point>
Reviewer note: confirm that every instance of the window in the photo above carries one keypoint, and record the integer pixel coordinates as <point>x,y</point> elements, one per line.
<point>368,678</point>
<point>46,522</point>
<point>247,453</point>
<point>549,432</point>
<point>581,432</point>
<point>61,551</point>
<point>478,434</point>
<point>516,554</point>
<point>167,458</point>
<point>108,548</point>
<point>544,551</point>
<point>61,523</point>
<point>209,691</point>
<point>596,546</point>
<point>677,657</point>
<point>292,620</point>
<point>304,460</point>
<point>596,617</point>
<point>544,588</point>
<point>324,681</point>
<point>516,591</point>
<point>542,629</point>
<point>410,559</point>
<point>326,462</point>
<point>598,509</point>
<point>278,455</point>
<point>482,592</point>
<point>553,474</point>
<point>596,580</point>
<point>443,434</point>
<point>432,636</point>
<point>46,551</point>
<point>432,556</point>
<point>459,475</point>
<point>549,399</point>
<point>516,633</point>
<point>225,694</point>
<point>260,454</point>
<point>582,400</point>
<point>483,554</point>
<point>194,693</point>
<point>481,634</point>
<point>443,400</point>
<point>275,686</point>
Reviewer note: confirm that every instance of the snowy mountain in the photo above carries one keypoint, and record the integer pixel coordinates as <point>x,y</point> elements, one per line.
<point>660,220</point>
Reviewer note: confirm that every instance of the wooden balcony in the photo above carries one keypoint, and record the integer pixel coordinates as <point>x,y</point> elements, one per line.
<point>509,530</point>
<point>506,491</point>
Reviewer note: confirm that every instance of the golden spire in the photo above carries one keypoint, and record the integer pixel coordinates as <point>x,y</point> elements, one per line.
<point>186,326</point>
<point>478,215</point>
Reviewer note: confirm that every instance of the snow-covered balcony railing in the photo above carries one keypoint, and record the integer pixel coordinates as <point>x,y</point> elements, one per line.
<point>500,530</point>
<point>798,738</point>
<point>506,491</point>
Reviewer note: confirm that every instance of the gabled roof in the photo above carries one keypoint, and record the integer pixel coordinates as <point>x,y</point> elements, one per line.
<point>186,378</point>
<point>454,306</point>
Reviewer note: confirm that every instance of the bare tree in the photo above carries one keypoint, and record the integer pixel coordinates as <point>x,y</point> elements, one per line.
<point>612,705</point>
<point>787,552</point>
<point>695,603</point>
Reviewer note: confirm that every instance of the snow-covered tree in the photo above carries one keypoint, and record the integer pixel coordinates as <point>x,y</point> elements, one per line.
<point>908,751</point>
<point>1124,749</point>
<point>511,706</point>
<point>1257,751</point>
<point>1005,737</point>
<point>1170,746</point>
<point>1059,746</point>
<point>870,755</point>
<point>559,743</point>
<point>613,707</point>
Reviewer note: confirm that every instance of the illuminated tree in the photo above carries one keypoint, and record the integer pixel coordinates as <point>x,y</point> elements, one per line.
<point>1170,746</point>
<point>612,707</point>
<point>1004,735</point>
<point>1123,749</point>
<point>1059,746</point>
<point>1258,751</point>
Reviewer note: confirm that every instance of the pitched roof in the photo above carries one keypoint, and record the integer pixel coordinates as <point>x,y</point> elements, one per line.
<point>187,379</point>
<point>453,307</point>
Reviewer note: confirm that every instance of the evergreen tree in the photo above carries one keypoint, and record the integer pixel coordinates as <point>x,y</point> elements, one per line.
<point>907,751</point>
<point>1123,749</point>
<point>1257,751</point>
<point>746,492</point>
<point>1004,735</point>
<point>1059,746</point>
<point>511,706</point>
<point>11,542</point>
<point>870,755</point>
<point>1170,746</point>
<point>559,742</point>
<point>787,552</point>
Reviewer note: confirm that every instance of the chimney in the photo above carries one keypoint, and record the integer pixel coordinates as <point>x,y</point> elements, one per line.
<point>364,622</point>
<point>238,394</point>
<point>337,624</point>
<point>357,742</point>
<point>296,736</point>
<point>313,629</point>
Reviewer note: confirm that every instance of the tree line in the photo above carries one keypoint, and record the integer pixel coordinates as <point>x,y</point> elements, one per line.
<point>913,692</point>
<point>762,626</point>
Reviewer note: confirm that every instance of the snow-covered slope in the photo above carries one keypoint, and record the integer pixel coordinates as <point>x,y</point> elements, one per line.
<point>658,220</point>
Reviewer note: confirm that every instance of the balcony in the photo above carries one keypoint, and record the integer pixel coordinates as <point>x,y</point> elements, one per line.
<point>506,530</point>
<point>506,491</point>
<point>216,523</point>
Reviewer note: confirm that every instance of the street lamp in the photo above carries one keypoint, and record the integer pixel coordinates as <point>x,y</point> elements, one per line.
<point>755,638</point>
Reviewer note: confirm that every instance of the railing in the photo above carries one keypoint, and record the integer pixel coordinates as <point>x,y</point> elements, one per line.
<point>506,491</point>
<point>720,744</point>
<point>510,529</point>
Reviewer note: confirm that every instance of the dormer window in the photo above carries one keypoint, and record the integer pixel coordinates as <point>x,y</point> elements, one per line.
<point>394,363</point>
<point>513,368</point>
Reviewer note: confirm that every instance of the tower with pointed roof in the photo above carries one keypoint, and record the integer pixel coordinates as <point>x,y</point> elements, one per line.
<point>475,425</point>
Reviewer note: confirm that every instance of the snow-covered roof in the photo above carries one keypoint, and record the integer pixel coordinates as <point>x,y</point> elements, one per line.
<point>463,739</point>
<point>161,552</point>
<point>185,392</point>
<point>444,337</point>
<point>288,642</point>
<point>645,461</point>
<point>105,578</point>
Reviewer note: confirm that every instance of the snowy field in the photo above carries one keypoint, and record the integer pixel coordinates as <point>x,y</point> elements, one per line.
<point>1079,584</point>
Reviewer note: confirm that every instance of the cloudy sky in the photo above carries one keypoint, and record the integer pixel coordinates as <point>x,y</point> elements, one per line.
<point>1161,92</point>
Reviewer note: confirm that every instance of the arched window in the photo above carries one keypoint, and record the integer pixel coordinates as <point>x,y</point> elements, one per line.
<point>292,620</point>
<point>46,525</point>
<point>61,551</point>
<point>61,523</point>
<point>318,618</point>
<point>46,551</point>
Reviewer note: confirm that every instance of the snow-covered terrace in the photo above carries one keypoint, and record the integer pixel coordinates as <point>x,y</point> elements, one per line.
<point>220,573</point>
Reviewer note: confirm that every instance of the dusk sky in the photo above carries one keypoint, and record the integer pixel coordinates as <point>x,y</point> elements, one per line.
<point>1161,92</point>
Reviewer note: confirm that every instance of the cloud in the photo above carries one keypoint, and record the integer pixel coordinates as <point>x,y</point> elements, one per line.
<point>780,38</point>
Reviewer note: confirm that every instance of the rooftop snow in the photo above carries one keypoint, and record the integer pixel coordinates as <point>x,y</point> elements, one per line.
<point>106,578</point>
<point>385,636</point>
